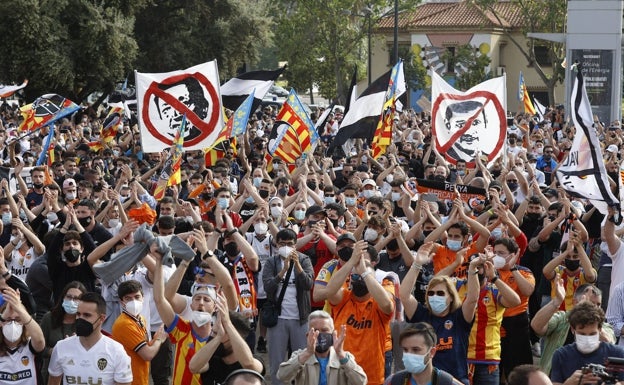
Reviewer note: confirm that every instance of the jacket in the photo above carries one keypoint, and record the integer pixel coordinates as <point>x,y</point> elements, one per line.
<point>308,374</point>
<point>303,283</point>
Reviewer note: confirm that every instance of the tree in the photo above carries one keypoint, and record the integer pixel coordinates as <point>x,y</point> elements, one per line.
<point>196,31</point>
<point>470,66</point>
<point>540,16</point>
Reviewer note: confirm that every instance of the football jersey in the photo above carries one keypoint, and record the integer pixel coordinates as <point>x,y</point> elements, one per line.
<point>18,368</point>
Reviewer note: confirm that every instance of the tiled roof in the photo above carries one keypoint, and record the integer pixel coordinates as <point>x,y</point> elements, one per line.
<point>462,14</point>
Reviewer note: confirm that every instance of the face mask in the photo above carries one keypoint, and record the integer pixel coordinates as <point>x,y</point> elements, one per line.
<point>438,303</point>
<point>70,196</point>
<point>249,200</point>
<point>281,174</point>
<point>72,255</point>
<point>263,193</point>
<point>513,186</point>
<point>6,218</point>
<point>116,152</point>
<point>37,185</point>
<point>282,192</point>
<point>368,193</point>
<point>370,235</point>
<point>231,249</point>
<point>496,233</point>
<point>453,245</point>
<point>349,201</point>
<point>539,150</point>
<point>206,196</point>
<point>414,363</point>
<point>12,331</point>
<point>276,211</point>
<point>427,232</point>
<point>70,307</point>
<point>572,264</point>
<point>261,228</point>
<point>134,307</point>
<point>223,203</point>
<point>533,216</point>
<point>498,262</point>
<point>84,328</point>
<point>439,178</point>
<point>329,200</point>
<point>257,181</point>
<point>299,214</point>
<point>285,251</point>
<point>460,172</point>
<point>324,341</point>
<point>311,185</point>
<point>358,287</point>
<point>396,196</point>
<point>345,253</point>
<point>200,318</point>
<point>587,344</point>
<point>52,217</point>
<point>113,222</point>
<point>389,178</point>
<point>84,222</point>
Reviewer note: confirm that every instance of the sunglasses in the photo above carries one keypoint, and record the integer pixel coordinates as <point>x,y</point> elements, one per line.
<point>440,293</point>
<point>201,272</point>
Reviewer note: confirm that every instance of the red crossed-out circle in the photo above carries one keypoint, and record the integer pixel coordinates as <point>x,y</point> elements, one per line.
<point>206,127</point>
<point>489,97</point>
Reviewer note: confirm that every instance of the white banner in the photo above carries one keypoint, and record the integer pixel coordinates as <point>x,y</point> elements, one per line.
<point>469,123</point>
<point>164,98</point>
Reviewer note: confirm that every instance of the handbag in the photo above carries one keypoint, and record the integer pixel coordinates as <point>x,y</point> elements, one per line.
<point>272,309</point>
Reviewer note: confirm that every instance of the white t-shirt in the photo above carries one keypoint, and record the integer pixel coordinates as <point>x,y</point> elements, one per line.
<point>263,250</point>
<point>105,363</point>
<point>18,368</point>
<point>20,264</point>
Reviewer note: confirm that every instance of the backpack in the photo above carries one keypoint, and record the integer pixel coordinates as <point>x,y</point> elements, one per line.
<point>438,377</point>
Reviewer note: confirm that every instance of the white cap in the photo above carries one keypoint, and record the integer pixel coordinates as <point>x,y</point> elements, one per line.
<point>369,182</point>
<point>612,148</point>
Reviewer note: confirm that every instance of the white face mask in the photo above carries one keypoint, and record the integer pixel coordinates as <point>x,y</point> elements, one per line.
<point>12,331</point>
<point>284,251</point>
<point>587,344</point>
<point>134,307</point>
<point>276,211</point>
<point>113,222</point>
<point>370,235</point>
<point>261,228</point>
<point>498,262</point>
<point>201,318</point>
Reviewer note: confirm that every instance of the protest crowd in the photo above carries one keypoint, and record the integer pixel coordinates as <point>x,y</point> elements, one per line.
<point>415,265</point>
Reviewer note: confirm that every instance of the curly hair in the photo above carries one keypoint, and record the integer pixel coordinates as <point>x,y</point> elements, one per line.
<point>586,313</point>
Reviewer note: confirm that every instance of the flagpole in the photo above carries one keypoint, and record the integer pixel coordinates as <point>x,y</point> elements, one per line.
<point>25,135</point>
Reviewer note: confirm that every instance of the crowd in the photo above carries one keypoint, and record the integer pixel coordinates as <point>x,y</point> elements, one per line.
<point>334,268</point>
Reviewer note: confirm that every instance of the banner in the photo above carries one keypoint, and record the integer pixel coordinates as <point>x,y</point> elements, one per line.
<point>6,91</point>
<point>469,123</point>
<point>446,190</point>
<point>164,98</point>
<point>45,110</point>
<point>383,133</point>
<point>582,172</point>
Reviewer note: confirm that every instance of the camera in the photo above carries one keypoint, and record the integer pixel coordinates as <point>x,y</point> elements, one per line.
<point>608,372</point>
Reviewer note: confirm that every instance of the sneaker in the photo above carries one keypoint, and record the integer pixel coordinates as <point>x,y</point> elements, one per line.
<point>261,348</point>
<point>536,349</point>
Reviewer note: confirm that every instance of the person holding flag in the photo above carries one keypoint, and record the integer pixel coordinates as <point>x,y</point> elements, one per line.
<point>170,174</point>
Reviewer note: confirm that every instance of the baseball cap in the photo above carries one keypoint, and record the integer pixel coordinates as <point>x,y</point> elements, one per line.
<point>369,182</point>
<point>315,209</point>
<point>612,148</point>
<point>208,290</point>
<point>347,236</point>
<point>69,182</point>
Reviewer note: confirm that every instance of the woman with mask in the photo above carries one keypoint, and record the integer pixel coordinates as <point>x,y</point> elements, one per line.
<point>59,323</point>
<point>21,340</point>
<point>443,308</point>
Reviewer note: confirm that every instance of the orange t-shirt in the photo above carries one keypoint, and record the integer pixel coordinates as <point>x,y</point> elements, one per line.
<point>508,278</point>
<point>132,334</point>
<point>444,256</point>
<point>367,328</point>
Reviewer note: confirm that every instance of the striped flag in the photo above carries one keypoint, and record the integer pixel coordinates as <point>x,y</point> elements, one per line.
<point>582,173</point>
<point>45,110</point>
<point>237,123</point>
<point>170,174</point>
<point>540,109</point>
<point>111,124</point>
<point>236,90</point>
<point>45,154</point>
<point>523,96</point>
<point>383,134</point>
<point>293,132</point>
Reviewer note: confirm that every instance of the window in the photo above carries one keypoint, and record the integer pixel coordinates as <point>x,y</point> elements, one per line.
<point>450,60</point>
<point>542,55</point>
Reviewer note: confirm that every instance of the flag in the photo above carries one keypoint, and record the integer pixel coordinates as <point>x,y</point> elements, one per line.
<point>212,155</point>
<point>6,91</point>
<point>95,146</point>
<point>164,98</point>
<point>521,87</point>
<point>237,124</point>
<point>383,133</point>
<point>293,132</point>
<point>170,174</point>
<point>51,156</point>
<point>111,124</point>
<point>45,154</point>
<point>540,109</point>
<point>523,96</point>
<point>45,110</point>
<point>236,90</point>
<point>582,173</point>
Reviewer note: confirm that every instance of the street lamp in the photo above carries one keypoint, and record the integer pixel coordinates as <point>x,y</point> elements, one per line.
<point>395,48</point>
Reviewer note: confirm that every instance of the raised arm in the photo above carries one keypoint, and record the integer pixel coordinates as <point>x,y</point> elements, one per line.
<point>410,304</point>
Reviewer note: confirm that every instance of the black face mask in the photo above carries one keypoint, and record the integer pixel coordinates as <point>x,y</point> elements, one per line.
<point>431,177</point>
<point>572,264</point>
<point>439,178</point>
<point>324,341</point>
<point>533,217</point>
<point>206,196</point>
<point>84,221</point>
<point>72,255</point>
<point>263,193</point>
<point>551,218</point>
<point>84,328</point>
<point>345,253</point>
<point>427,232</point>
<point>359,288</point>
<point>37,185</point>
<point>512,186</point>
<point>311,185</point>
<point>334,222</point>
<point>282,192</point>
<point>231,249</point>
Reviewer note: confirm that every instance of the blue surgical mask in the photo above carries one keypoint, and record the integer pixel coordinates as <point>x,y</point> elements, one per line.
<point>453,245</point>
<point>249,200</point>
<point>497,233</point>
<point>395,196</point>
<point>329,200</point>
<point>299,214</point>
<point>223,202</point>
<point>438,303</point>
<point>6,218</point>
<point>257,181</point>
<point>70,307</point>
<point>350,201</point>
<point>414,363</point>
